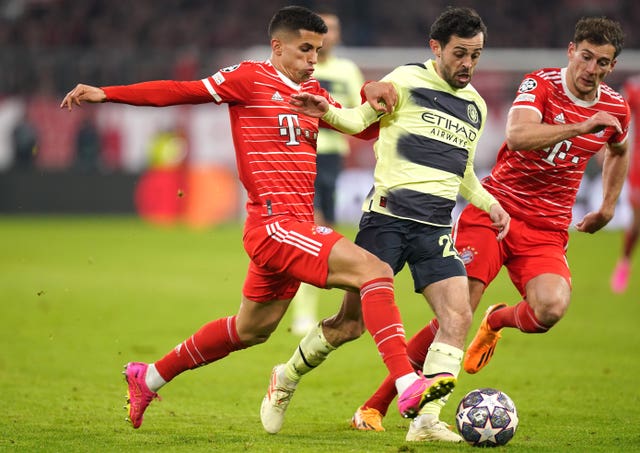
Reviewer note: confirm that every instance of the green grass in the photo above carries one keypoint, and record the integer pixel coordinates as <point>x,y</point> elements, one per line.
<point>79,297</point>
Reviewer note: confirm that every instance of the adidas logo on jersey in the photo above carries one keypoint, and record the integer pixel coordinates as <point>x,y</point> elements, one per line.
<point>559,119</point>
<point>276,97</point>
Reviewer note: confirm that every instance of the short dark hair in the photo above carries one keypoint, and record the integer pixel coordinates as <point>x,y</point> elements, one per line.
<point>295,18</point>
<point>600,31</point>
<point>459,21</point>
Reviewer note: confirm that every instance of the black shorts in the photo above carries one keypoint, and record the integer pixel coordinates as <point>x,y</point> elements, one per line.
<point>427,249</point>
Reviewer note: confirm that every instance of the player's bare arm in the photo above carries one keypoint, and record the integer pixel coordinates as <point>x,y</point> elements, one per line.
<point>309,104</point>
<point>525,131</point>
<point>614,171</point>
<point>381,95</point>
<point>84,93</point>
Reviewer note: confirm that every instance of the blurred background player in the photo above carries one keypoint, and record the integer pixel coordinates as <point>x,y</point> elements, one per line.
<point>622,271</point>
<point>343,80</point>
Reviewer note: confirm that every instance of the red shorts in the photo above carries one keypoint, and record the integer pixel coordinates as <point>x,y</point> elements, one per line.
<point>285,252</point>
<point>526,251</point>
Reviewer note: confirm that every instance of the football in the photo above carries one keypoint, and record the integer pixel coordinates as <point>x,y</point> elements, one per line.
<point>486,418</point>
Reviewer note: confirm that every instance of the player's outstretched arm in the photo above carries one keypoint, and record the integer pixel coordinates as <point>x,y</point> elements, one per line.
<point>82,93</point>
<point>350,121</point>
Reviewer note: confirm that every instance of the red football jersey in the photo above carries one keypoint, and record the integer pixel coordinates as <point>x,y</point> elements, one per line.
<point>632,94</point>
<point>540,186</point>
<point>275,146</point>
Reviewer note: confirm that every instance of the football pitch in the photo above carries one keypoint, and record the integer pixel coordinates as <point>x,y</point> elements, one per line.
<point>81,296</point>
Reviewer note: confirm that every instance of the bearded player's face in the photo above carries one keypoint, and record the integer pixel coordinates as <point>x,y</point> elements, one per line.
<point>457,60</point>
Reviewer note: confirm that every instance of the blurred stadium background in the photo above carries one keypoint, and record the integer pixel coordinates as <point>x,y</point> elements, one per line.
<point>176,164</point>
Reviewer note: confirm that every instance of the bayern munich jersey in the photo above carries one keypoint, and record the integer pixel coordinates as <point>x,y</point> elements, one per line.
<point>540,186</point>
<point>275,147</point>
<point>426,147</point>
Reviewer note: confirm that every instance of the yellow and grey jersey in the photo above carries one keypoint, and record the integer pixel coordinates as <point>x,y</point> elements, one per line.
<point>426,147</point>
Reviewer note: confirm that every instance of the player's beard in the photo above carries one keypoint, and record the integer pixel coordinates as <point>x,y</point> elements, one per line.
<point>452,78</point>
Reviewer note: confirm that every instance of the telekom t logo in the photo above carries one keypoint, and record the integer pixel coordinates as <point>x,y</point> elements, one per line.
<point>289,126</point>
<point>560,151</point>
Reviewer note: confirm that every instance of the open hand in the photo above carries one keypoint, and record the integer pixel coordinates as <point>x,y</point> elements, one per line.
<point>81,93</point>
<point>309,104</point>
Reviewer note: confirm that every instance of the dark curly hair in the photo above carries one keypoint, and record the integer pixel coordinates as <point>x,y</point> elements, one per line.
<point>459,21</point>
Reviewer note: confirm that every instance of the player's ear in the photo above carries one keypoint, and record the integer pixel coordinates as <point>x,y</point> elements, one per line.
<point>435,47</point>
<point>276,46</point>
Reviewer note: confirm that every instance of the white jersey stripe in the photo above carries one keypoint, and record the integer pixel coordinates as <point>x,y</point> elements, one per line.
<point>211,90</point>
<point>304,243</point>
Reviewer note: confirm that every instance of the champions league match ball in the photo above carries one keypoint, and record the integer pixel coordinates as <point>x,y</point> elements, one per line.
<point>486,418</point>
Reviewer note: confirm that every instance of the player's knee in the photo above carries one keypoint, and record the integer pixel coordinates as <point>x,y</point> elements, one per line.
<point>550,317</point>
<point>552,312</point>
<point>380,269</point>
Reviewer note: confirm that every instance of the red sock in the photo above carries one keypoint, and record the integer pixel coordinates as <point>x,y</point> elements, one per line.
<point>212,342</point>
<point>418,345</point>
<point>520,316</point>
<point>382,319</point>
<point>417,350</point>
<point>383,397</point>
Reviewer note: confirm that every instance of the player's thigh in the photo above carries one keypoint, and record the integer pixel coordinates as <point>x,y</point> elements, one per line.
<point>292,249</point>
<point>381,241</point>
<point>262,285</point>
<point>432,256</point>
<point>534,252</point>
<point>351,266</point>
<point>386,237</point>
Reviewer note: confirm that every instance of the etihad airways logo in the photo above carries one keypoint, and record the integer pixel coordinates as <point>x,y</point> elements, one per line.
<point>452,126</point>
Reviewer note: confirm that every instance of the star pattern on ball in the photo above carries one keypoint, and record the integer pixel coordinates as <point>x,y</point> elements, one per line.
<point>486,417</point>
<point>488,433</point>
<point>490,401</point>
